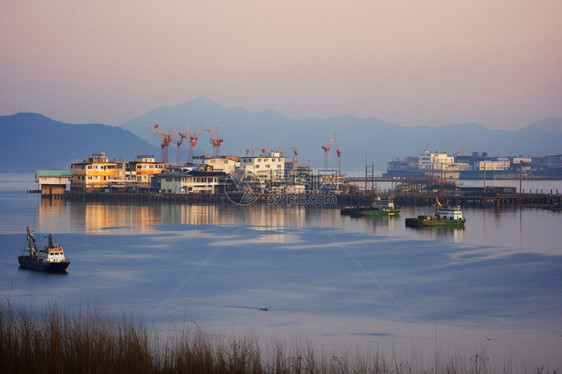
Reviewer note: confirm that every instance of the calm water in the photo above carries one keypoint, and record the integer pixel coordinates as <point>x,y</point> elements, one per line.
<point>495,286</point>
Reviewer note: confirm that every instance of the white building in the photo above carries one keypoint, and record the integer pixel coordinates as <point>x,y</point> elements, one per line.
<point>435,161</point>
<point>225,164</point>
<point>501,163</point>
<point>270,166</point>
<point>193,182</point>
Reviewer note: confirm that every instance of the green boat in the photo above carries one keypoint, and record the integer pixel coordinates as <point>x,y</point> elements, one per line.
<point>378,208</point>
<point>444,217</point>
<point>381,207</point>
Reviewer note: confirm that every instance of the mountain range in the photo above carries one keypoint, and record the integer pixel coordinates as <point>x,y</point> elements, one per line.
<point>32,141</point>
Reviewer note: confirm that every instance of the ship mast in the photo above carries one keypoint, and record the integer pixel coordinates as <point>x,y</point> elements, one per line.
<point>31,242</point>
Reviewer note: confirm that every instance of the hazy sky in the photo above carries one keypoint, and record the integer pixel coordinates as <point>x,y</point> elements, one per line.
<point>498,63</point>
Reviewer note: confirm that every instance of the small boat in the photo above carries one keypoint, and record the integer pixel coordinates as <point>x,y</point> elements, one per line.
<point>50,258</point>
<point>444,217</point>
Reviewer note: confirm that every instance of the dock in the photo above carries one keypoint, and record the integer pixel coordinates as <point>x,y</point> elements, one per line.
<point>532,200</point>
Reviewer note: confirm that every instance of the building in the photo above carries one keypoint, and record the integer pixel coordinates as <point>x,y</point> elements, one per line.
<point>435,161</point>
<point>53,182</point>
<point>267,167</point>
<point>97,173</point>
<point>142,169</point>
<point>187,183</point>
<point>225,164</point>
<point>500,163</point>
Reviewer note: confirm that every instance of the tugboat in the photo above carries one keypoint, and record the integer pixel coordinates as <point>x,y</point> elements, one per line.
<point>379,207</point>
<point>50,258</point>
<point>444,217</point>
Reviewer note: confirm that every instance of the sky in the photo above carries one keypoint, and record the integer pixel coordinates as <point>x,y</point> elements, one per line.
<point>433,63</point>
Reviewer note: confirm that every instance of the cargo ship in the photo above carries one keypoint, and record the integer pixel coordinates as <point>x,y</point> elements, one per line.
<point>50,258</point>
<point>444,217</point>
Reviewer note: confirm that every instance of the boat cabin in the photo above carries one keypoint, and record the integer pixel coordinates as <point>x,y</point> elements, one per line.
<point>450,213</point>
<point>383,204</point>
<point>53,254</point>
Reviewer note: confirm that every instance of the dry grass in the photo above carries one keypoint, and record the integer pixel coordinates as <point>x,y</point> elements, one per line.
<point>56,342</point>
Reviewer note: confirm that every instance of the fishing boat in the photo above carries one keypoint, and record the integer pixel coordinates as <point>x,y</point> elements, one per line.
<point>50,258</point>
<point>443,217</point>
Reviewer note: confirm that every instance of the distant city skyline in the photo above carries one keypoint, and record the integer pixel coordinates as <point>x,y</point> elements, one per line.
<point>411,63</point>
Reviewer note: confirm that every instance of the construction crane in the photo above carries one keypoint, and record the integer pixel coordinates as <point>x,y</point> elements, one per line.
<point>166,138</point>
<point>166,141</point>
<point>264,150</point>
<point>338,152</point>
<point>156,128</point>
<point>183,136</point>
<point>326,150</point>
<point>215,141</point>
<point>192,143</point>
<point>295,155</point>
<point>280,151</point>
<point>250,150</point>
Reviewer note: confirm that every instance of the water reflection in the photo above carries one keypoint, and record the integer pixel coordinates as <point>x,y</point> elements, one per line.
<point>518,229</point>
<point>58,215</point>
<point>455,234</point>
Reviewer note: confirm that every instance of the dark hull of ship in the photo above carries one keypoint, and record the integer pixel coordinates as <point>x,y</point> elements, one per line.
<point>27,262</point>
<point>432,222</point>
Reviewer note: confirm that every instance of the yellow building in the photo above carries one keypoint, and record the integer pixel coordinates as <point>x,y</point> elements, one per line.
<point>97,173</point>
<point>143,168</point>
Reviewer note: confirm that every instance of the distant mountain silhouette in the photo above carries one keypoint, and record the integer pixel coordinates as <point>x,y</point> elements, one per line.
<point>32,141</point>
<point>549,125</point>
<point>359,139</point>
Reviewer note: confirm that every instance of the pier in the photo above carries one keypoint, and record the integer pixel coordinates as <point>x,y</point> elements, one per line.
<point>485,200</point>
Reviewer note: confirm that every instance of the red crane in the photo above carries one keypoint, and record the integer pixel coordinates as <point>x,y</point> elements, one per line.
<point>192,143</point>
<point>338,152</point>
<point>326,149</point>
<point>156,128</point>
<point>166,138</point>
<point>166,141</point>
<point>215,141</point>
<point>295,155</point>
<point>280,151</point>
<point>250,150</point>
<point>182,135</point>
<point>264,149</point>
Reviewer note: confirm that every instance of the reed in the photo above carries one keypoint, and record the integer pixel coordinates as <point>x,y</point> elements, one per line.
<point>88,342</point>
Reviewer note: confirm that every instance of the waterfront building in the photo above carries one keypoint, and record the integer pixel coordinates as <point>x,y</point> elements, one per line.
<point>53,182</point>
<point>498,163</point>
<point>225,164</point>
<point>207,182</point>
<point>96,173</point>
<point>267,167</point>
<point>434,161</point>
<point>142,169</point>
